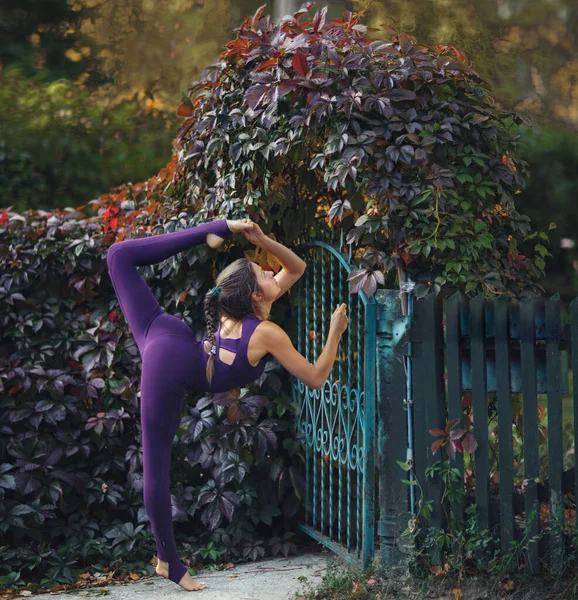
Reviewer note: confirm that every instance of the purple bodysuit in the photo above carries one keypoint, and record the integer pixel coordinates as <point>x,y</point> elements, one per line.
<point>172,362</point>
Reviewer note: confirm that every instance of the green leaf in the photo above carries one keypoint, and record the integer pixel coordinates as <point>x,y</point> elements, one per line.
<point>421,290</point>
<point>540,263</point>
<point>485,241</point>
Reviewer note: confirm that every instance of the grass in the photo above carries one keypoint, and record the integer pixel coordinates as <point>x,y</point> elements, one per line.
<point>344,582</point>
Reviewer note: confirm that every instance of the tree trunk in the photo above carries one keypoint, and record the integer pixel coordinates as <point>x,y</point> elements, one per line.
<point>282,8</point>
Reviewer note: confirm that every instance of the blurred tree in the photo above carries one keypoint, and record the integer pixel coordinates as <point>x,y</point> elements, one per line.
<point>44,39</point>
<point>550,194</point>
<point>528,51</point>
<point>157,49</point>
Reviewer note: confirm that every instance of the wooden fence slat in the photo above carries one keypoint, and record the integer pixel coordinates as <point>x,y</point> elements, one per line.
<point>504,399</point>
<point>480,410</point>
<point>429,411</point>
<point>555,438</point>
<point>433,355</point>
<point>454,373</point>
<point>419,394</point>
<point>530,412</point>
<point>574,359</point>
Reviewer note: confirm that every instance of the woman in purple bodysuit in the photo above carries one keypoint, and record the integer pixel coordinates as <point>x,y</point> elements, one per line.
<point>173,361</point>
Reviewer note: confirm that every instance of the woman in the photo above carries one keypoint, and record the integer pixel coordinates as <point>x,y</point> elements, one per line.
<point>173,361</point>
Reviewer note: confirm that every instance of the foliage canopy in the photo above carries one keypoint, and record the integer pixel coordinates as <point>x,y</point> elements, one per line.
<point>403,143</point>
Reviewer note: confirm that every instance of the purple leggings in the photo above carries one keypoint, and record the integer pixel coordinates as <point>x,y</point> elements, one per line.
<point>172,361</point>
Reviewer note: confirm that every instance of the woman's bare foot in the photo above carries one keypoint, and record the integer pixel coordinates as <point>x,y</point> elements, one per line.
<point>187,582</point>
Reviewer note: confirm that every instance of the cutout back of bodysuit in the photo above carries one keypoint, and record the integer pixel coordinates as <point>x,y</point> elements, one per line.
<point>238,347</point>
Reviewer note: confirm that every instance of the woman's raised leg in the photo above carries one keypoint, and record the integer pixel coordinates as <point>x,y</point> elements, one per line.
<point>136,299</point>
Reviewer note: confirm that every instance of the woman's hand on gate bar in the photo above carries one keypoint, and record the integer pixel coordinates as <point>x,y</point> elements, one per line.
<point>339,320</point>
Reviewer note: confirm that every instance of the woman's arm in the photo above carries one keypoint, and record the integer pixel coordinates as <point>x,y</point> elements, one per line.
<point>293,266</point>
<point>290,261</point>
<point>314,376</point>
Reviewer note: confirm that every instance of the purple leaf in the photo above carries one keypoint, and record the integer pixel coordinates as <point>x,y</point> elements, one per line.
<point>319,20</point>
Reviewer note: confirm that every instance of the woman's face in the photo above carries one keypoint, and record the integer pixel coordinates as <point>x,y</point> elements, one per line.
<point>267,282</point>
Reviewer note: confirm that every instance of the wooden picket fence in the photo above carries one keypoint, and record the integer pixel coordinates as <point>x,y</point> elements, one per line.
<point>509,365</point>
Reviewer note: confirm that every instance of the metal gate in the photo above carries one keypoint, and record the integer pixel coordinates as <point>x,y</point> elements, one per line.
<point>337,422</point>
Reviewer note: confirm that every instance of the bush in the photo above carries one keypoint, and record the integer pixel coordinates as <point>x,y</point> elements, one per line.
<point>400,142</point>
<point>70,457</point>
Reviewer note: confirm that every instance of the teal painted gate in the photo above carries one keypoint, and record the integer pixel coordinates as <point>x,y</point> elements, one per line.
<point>337,422</point>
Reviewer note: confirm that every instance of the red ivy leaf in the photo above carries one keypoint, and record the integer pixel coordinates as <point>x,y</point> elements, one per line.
<point>267,64</point>
<point>4,215</point>
<point>287,85</point>
<point>303,10</point>
<point>469,443</point>
<point>405,42</point>
<point>257,16</point>
<point>319,20</point>
<point>407,258</point>
<point>300,64</point>
<point>184,111</point>
<point>457,433</point>
<point>435,446</point>
<point>111,210</point>
<point>389,28</point>
<point>457,53</point>
<point>437,432</point>
<point>254,94</point>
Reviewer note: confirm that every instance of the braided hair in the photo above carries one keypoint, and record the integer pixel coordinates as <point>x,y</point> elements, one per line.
<point>231,297</point>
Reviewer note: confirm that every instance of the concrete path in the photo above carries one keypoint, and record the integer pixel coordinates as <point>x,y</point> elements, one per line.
<point>272,579</point>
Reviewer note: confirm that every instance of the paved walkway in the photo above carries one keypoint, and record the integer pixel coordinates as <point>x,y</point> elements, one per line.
<point>273,579</point>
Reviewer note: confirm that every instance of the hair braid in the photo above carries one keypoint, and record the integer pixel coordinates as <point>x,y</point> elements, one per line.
<point>211,314</point>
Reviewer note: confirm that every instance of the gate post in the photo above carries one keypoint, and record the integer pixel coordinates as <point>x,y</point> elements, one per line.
<point>392,437</point>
